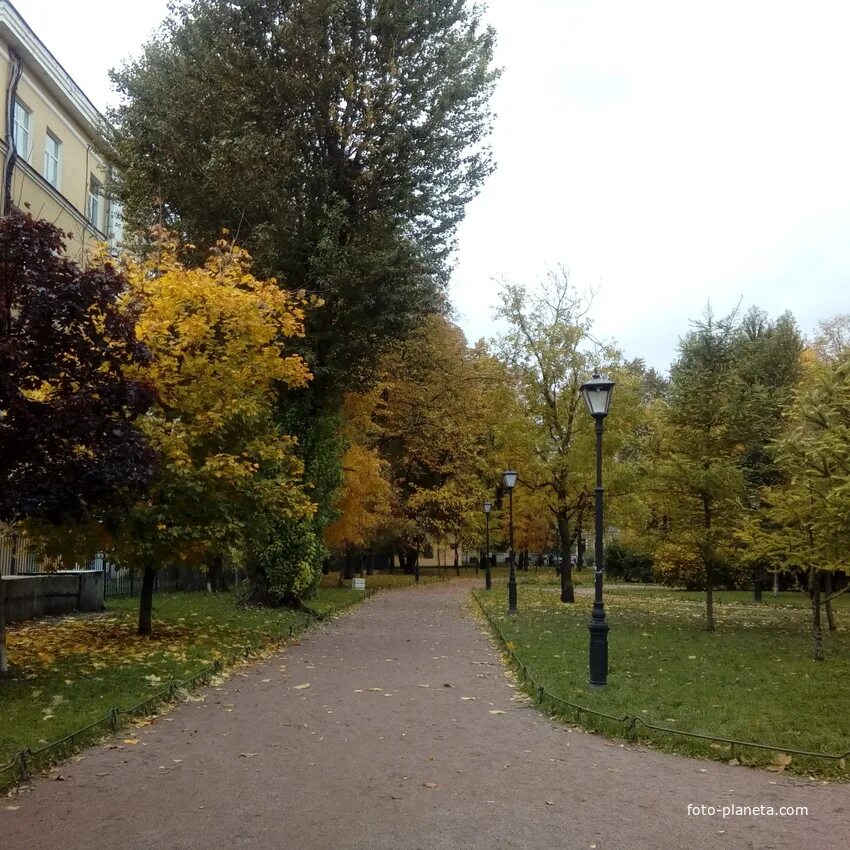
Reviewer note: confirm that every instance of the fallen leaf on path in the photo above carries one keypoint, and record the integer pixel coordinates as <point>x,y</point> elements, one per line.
<point>496,711</point>
<point>429,784</point>
<point>549,803</point>
<point>780,763</point>
<point>380,690</point>
<point>12,808</point>
<point>448,685</point>
<point>302,687</point>
<point>466,699</point>
<point>131,741</point>
<point>248,755</point>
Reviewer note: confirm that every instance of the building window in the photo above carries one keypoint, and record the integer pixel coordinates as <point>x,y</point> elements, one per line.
<point>22,119</point>
<point>52,146</point>
<point>95,193</point>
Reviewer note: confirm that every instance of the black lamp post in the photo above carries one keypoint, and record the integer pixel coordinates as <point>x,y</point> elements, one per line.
<point>597,395</point>
<point>509,478</point>
<point>488,578</point>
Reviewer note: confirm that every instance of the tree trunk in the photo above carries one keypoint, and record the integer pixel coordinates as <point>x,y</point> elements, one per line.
<point>146,601</point>
<point>827,588</point>
<point>776,584</point>
<point>347,572</point>
<point>709,599</point>
<point>568,593</point>
<point>817,630</point>
<point>457,565</point>
<point>408,559</point>
<point>370,563</point>
<point>4,658</point>
<point>214,574</point>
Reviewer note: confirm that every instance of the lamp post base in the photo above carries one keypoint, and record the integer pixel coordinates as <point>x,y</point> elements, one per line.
<point>598,652</point>
<point>512,595</point>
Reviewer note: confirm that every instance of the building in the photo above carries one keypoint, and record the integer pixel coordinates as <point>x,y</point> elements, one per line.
<point>50,167</point>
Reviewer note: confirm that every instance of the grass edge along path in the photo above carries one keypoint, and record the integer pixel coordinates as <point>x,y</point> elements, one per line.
<point>634,729</point>
<point>31,760</point>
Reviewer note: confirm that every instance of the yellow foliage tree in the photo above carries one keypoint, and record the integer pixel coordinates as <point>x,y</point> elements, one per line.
<point>363,504</point>
<point>220,344</point>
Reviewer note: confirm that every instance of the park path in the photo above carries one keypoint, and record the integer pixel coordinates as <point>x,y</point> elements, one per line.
<point>379,753</point>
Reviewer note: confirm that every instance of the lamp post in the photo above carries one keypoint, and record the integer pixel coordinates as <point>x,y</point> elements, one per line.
<point>488,578</point>
<point>509,478</point>
<point>597,395</point>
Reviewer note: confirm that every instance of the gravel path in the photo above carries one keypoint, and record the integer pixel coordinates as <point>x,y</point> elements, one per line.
<point>379,753</point>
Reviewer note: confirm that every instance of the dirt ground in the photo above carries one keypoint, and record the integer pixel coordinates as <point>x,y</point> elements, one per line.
<point>396,727</point>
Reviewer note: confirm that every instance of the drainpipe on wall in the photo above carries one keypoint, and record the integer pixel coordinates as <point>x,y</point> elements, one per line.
<point>16,69</point>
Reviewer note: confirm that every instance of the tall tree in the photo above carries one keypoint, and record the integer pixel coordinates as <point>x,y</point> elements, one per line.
<point>431,434</point>
<point>221,341</point>
<point>550,352</point>
<point>697,484</point>
<point>69,449</point>
<point>341,139</point>
<point>803,524</point>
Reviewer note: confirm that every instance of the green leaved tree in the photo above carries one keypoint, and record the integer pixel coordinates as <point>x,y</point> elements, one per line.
<point>694,477</point>
<point>803,523</point>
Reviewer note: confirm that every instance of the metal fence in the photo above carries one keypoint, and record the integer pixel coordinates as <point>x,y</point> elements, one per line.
<point>16,557</point>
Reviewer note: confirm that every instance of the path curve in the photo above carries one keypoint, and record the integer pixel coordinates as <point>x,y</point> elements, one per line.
<point>378,753</point>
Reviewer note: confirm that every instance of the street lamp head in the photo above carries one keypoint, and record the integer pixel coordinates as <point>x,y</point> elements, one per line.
<point>597,395</point>
<point>509,478</point>
<point>488,506</point>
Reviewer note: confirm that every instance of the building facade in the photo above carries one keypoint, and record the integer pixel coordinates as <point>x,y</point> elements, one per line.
<point>48,130</point>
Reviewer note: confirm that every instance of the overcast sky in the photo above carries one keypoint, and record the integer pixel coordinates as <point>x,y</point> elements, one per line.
<point>669,152</point>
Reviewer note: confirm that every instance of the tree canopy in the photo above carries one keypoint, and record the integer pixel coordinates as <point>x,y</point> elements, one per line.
<point>69,443</point>
<point>341,140</point>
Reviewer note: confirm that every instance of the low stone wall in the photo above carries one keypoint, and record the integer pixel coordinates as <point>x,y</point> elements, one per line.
<point>50,594</point>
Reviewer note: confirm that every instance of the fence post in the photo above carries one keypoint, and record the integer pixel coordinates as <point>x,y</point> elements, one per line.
<point>4,659</point>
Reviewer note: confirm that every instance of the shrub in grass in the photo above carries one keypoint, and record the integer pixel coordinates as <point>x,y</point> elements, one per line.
<point>627,564</point>
<point>288,568</point>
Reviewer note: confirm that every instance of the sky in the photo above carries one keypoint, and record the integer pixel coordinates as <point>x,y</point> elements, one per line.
<point>669,153</point>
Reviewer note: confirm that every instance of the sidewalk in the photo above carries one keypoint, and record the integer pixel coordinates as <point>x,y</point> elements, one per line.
<point>396,727</point>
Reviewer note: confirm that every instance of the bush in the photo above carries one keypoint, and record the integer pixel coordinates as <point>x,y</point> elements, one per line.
<point>678,566</point>
<point>288,568</point>
<point>628,564</point>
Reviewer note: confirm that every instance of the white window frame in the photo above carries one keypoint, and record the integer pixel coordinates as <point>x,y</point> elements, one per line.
<point>93,205</point>
<point>52,160</point>
<point>23,130</point>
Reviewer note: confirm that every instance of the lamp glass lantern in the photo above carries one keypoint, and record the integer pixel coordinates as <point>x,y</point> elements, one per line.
<point>597,395</point>
<point>488,506</point>
<point>509,478</point>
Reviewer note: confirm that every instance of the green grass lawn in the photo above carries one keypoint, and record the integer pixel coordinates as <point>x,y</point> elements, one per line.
<point>753,679</point>
<point>69,672</point>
